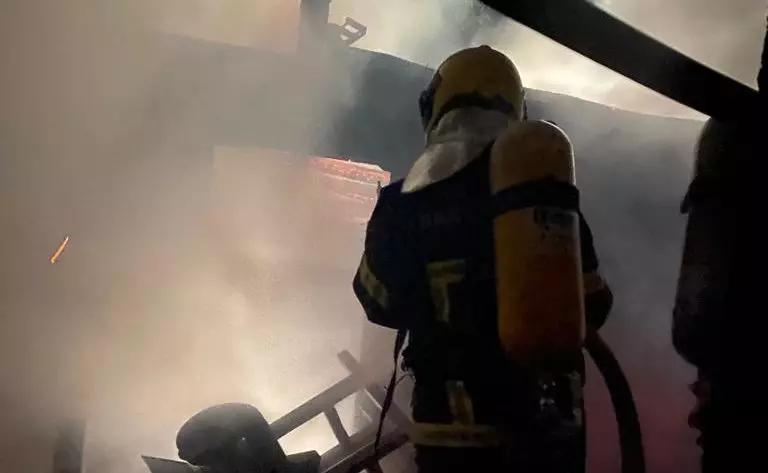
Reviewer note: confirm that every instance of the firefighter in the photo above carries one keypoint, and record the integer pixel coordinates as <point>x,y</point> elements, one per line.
<point>717,319</point>
<point>481,256</point>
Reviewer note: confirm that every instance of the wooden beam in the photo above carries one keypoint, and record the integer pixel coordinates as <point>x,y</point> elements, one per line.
<point>586,29</point>
<point>376,392</point>
<point>316,406</point>
<point>337,427</point>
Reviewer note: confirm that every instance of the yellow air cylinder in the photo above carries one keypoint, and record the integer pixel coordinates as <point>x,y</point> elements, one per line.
<point>540,299</point>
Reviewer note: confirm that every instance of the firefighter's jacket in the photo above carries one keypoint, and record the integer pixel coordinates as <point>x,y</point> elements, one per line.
<point>441,213</point>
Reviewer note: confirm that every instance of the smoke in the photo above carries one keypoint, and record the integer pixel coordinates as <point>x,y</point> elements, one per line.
<point>110,133</point>
<point>724,35</point>
<point>632,179</point>
<point>632,175</point>
<point>165,301</point>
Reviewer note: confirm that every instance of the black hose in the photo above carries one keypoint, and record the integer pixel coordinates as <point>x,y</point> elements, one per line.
<point>630,435</point>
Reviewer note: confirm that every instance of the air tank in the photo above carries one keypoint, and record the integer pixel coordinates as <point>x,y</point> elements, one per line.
<point>722,243</point>
<point>539,288</point>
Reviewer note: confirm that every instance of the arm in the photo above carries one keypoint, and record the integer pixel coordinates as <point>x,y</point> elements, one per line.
<point>376,281</point>
<point>598,298</point>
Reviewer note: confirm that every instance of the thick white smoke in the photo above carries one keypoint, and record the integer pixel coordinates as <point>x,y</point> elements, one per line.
<point>724,35</point>
<point>145,321</point>
<point>150,314</point>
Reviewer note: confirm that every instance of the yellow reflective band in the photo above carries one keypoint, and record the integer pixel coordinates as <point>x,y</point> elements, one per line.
<point>441,274</point>
<point>372,285</point>
<point>593,282</point>
<point>454,435</point>
<point>460,403</point>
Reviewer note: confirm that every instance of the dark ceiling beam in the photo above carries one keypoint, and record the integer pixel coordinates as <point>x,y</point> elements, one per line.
<point>599,36</point>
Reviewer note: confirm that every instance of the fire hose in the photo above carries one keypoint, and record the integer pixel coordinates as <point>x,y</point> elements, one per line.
<point>630,434</point>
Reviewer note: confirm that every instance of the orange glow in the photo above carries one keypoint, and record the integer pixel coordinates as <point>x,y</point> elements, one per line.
<point>60,250</point>
<point>351,170</point>
<point>353,186</point>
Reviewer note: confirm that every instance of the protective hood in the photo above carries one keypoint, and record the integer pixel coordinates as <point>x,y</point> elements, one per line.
<point>454,142</point>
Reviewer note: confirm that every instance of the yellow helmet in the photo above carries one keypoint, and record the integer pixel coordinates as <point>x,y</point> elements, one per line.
<point>473,77</point>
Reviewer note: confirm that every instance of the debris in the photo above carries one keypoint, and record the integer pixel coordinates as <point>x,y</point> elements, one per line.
<point>60,250</point>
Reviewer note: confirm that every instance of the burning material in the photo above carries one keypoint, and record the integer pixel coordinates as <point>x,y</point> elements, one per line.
<point>59,250</point>
<point>354,186</point>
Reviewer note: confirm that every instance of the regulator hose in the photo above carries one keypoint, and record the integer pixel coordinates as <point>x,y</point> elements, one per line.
<point>630,435</point>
